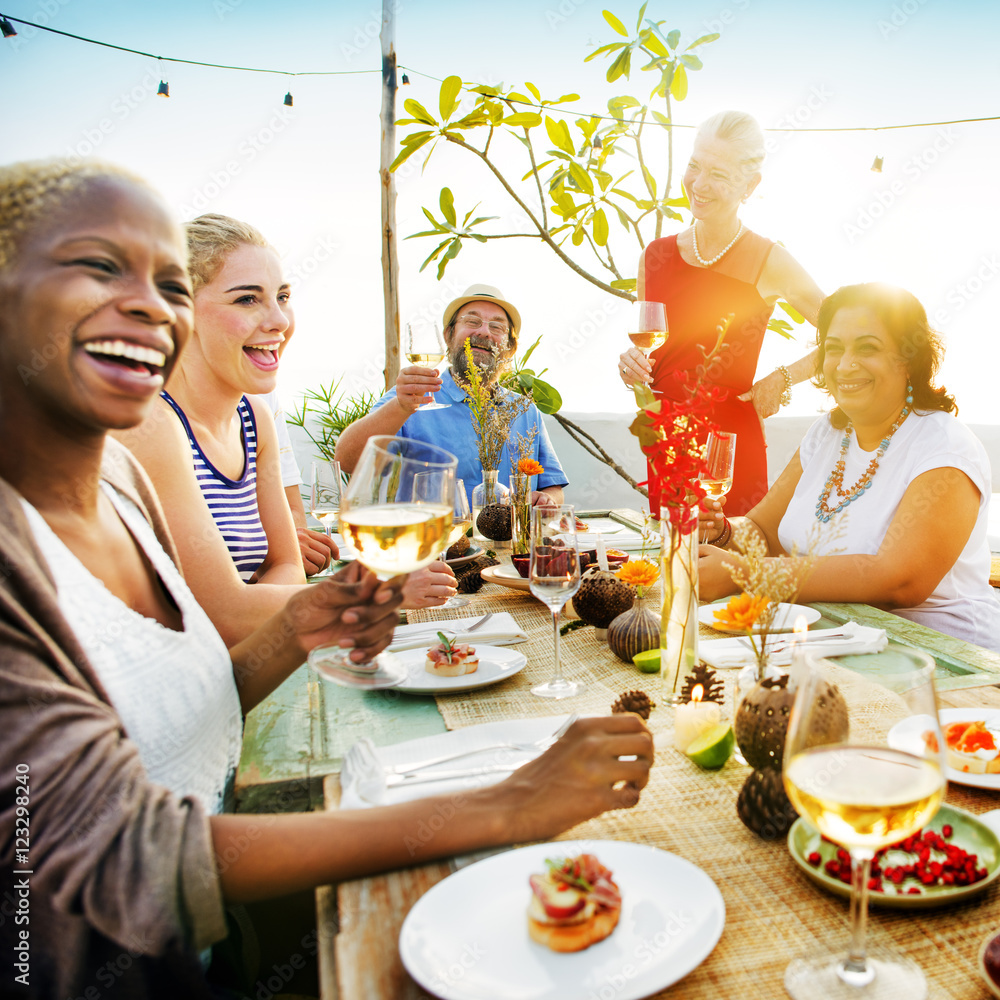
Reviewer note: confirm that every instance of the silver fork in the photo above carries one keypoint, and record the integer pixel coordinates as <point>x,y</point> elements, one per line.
<point>434,627</point>
<point>542,743</point>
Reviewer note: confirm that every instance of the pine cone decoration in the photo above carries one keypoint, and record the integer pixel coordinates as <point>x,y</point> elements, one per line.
<point>634,701</point>
<point>469,579</point>
<point>763,805</point>
<point>705,676</point>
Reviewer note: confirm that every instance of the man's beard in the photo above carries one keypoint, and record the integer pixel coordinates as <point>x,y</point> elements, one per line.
<point>489,368</point>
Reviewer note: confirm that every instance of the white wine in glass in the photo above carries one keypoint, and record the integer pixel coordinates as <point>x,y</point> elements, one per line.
<point>648,326</point>
<point>864,794</point>
<point>425,347</point>
<point>720,457</point>
<point>324,493</point>
<point>396,513</point>
<point>554,578</point>
<point>460,524</point>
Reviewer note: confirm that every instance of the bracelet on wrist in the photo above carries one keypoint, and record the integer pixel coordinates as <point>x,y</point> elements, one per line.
<point>727,532</point>
<point>786,393</point>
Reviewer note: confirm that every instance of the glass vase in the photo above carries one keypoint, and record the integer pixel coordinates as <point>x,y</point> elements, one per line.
<point>488,493</point>
<point>679,614</point>
<point>520,498</point>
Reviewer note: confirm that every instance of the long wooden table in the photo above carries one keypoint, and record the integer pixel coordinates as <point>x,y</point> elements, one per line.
<point>773,912</point>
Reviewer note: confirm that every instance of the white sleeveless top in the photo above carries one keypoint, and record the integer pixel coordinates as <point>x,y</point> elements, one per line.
<point>174,691</point>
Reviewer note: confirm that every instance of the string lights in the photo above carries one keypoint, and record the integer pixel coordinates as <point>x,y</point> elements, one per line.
<point>7,27</point>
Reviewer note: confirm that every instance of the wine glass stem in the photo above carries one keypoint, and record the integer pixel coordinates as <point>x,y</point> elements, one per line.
<point>557,679</point>
<point>855,970</point>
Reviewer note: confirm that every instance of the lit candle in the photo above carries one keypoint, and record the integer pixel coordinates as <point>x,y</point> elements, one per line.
<point>602,555</point>
<point>694,718</point>
<point>798,644</point>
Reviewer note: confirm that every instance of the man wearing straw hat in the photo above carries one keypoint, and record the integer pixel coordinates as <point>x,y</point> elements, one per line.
<point>491,324</point>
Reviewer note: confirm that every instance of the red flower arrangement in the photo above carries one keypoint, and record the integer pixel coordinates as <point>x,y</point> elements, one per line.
<point>671,433</point>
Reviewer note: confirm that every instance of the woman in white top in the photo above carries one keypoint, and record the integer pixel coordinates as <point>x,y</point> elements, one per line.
<point>889,478</point>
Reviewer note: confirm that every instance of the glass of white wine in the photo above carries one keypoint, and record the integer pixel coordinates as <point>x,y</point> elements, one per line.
<point>554,578</point>
<point>864,791</point>
<point>324,493</point>
<point>460,524</point>
<point>648,326</point>
<point>396,513</point>
<point>720,457</point>
<point>425,347</point>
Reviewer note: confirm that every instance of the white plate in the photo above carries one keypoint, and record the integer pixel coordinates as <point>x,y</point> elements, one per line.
<point>903,734</point>
<point>474,553</point>
<point>506,576</point>
<point>784,619</point>
<point>467,937</point>
<point>496,663</point>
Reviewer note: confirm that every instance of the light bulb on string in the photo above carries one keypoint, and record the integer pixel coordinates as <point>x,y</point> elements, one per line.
<point>406,80</point>
<point>288,100</point>
<point>877,165</point>
<point>7,28</point>
<point>163,90</point>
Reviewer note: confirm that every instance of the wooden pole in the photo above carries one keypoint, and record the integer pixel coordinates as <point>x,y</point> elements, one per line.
<point>390,262</point>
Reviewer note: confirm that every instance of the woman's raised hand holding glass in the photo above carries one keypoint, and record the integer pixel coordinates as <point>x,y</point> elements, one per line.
<point>397,514</point>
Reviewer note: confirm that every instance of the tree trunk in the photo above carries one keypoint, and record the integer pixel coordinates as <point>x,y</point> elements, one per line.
<point>390,262</point>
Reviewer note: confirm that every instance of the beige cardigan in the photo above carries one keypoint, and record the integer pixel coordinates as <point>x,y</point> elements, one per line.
<point>123,892</point>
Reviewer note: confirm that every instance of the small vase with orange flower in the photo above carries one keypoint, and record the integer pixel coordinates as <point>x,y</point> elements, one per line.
<point>520,498</point>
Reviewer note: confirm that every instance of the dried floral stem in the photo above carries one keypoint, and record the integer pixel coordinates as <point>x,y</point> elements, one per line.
<point>493,411</point>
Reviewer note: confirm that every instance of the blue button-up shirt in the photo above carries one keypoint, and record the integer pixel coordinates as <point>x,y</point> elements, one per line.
<point>451,428</point>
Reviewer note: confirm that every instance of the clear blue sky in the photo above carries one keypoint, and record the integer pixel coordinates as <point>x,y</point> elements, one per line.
<point>307,176</point>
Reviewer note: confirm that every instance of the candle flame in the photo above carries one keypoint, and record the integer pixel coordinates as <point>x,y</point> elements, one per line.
<point>801,625</point>
<point>697,693</point>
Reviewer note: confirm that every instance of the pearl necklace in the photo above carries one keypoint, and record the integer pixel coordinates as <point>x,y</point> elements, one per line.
<point>836,478</point>
<point>715,260</point>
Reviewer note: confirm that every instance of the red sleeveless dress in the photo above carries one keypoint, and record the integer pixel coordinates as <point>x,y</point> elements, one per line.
<point>696,298</point>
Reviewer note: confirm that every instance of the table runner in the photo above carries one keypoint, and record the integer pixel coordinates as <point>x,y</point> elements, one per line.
<point>774,913</point>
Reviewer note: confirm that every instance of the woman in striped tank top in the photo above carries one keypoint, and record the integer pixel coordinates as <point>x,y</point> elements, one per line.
<point>230,519</point>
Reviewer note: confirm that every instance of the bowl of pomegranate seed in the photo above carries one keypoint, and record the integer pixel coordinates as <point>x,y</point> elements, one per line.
<point>957,855</point>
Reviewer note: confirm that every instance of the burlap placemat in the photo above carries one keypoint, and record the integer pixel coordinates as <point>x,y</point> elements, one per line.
<point>773,912</point>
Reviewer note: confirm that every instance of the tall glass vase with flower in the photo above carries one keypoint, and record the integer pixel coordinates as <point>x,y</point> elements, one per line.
<point>672,433</point>
<point>520,490</point>
<point>493,410</point>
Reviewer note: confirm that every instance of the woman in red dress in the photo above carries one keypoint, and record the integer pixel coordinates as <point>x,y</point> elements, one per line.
<point>714,268</point>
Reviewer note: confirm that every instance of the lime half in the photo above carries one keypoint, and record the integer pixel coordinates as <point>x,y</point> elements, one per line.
<point>714,747</point>
<point>649,661</point>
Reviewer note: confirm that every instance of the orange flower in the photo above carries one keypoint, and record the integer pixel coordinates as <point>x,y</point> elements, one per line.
<point>529,467</point>
<point>742,612</point>
<point>639,573</point>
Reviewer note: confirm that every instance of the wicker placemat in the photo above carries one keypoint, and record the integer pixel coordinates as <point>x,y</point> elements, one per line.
<point>773,913</point>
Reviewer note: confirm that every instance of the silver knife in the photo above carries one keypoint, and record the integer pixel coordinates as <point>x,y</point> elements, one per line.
<point>419,777</point>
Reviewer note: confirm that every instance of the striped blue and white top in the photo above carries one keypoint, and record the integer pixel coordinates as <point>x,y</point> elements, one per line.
<point>233,503</point>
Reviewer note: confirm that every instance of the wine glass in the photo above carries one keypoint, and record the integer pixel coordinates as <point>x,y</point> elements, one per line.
<point>864,792</point>
<point>425,347</point>
<point>324,493</point>
<point>720,457</point>
<point>396,513</point>
<point>555,578</point>
<point>460,524</point>
<point>648,323</point>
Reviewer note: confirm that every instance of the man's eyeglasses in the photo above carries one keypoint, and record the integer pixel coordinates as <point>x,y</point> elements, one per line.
<point>475,323</point>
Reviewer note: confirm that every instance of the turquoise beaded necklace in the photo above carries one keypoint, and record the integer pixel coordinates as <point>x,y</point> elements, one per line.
<point>836,478</point>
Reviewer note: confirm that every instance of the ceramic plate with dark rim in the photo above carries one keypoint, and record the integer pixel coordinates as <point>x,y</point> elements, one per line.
<point>474,553</point>
<point>969,832</point>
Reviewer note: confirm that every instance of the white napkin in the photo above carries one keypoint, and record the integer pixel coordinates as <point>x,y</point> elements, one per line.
<point>727,653</point>
<point>500,630</point>
<point>363,771</point>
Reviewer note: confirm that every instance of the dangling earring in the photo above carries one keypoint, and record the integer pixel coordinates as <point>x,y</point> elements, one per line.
<point>909,393</point>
